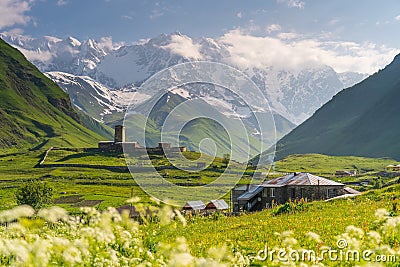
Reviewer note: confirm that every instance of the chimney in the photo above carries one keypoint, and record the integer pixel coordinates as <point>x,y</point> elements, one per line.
<point>119,134</point>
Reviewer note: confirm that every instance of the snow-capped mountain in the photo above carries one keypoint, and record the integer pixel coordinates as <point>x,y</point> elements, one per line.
<point>294,95</point>
<point>53,54</point>
<point>92,97</point>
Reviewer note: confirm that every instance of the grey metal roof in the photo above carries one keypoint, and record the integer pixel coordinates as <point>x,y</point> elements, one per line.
<point>272,185</point>
<point>218,204</point>
<point>251,193</point>
<point>242,187</point>
<point>299,179</point>
<point>195,205</point>
<point>351,191</point>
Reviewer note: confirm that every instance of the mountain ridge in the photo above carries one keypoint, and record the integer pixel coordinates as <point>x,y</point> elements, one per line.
<point>129,65</point>
<point>359,121</point>
<point>33,108</point>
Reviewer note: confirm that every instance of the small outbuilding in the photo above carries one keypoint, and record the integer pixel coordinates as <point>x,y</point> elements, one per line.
<point>196,205</point>
<point>394,168</point>
<point>344,173</point>
<point>217,205</point>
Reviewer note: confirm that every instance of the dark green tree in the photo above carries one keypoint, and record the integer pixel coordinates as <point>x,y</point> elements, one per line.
<point>378,183</point>
<point>226,158</point>
<point>35,194</point>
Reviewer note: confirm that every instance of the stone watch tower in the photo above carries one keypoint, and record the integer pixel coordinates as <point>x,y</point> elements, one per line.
<point>119,136</point>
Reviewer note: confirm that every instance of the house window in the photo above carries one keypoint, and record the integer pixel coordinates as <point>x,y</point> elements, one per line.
<point>301,192</point>
<point>272,192</point>
<point>293,195</point>
<point>327,193</point>
<point>265,193</point>
<point>335,192</point>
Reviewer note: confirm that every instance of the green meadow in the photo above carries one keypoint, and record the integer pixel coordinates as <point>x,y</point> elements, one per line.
<point>100,188</point>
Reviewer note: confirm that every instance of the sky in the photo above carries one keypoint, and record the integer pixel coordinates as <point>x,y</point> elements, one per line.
<point>359,35</point>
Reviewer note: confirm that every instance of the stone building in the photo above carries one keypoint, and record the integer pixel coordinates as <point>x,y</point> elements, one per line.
<point>293,186</point>
<point>119,145</point>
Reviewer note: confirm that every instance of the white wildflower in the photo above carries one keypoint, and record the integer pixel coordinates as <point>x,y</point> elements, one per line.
<point>180,217</point>
<point>166,215</point>
<point>385,250</point>
<point>72,255</point>
<point>381,214</point>
<point>19,248</point>
<point>374,237</point>
<point>41,252</point>
<point>286,234</point>
<point>314,236</point>
<point>53,214</point>
<point>16,213</point>
<point>393,223</point>
<point>354,231</point>
<point>289,242</point>
<point>133,200</point>
<point>181,259</point>
<point>218,253</point>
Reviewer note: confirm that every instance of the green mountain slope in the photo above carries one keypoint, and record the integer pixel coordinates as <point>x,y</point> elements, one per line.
<point>194,129</point>
<point>361,121</point>
<point>33,109</point>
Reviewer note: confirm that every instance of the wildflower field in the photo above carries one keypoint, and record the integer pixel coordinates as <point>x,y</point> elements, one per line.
<point>73,235</point>
<point>50,237</point>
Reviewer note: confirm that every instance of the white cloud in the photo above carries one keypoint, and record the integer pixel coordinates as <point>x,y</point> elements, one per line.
<point>158,11</point>
<point>251,27</point>
<point>15,31</point>
<point>127,17</point>
<point>31,55</point>
<point>183,45</point>
<point>248,51</point>
<point>239,15</point>
<point>273,28</point>
<point>288,35</point>
<point>13,12</point>
<point>292,3</point>
<point>333,21</point>
<point>61,2</point>
<point>108,44</point>
<point>155,14</point>
<point>397,17</point>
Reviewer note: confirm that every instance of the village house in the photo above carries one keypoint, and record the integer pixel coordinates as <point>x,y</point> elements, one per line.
<point>293,186</point>
<point>196,205</point>
<point>344,173</point>
<point>120,145</point>
<point>217,205</point>
<point>393,168</point>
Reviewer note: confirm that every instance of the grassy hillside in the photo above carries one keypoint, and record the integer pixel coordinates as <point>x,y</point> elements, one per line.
<point>194,129</point>
<point>33,109</point>
<point>111,187</point>
<point>359,121</point>
<point>328,165</point>
<point>250,233</point>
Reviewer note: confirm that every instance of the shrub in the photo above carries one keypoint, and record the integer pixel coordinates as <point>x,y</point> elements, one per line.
<point>34,193</point>
<point>290,207</point>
